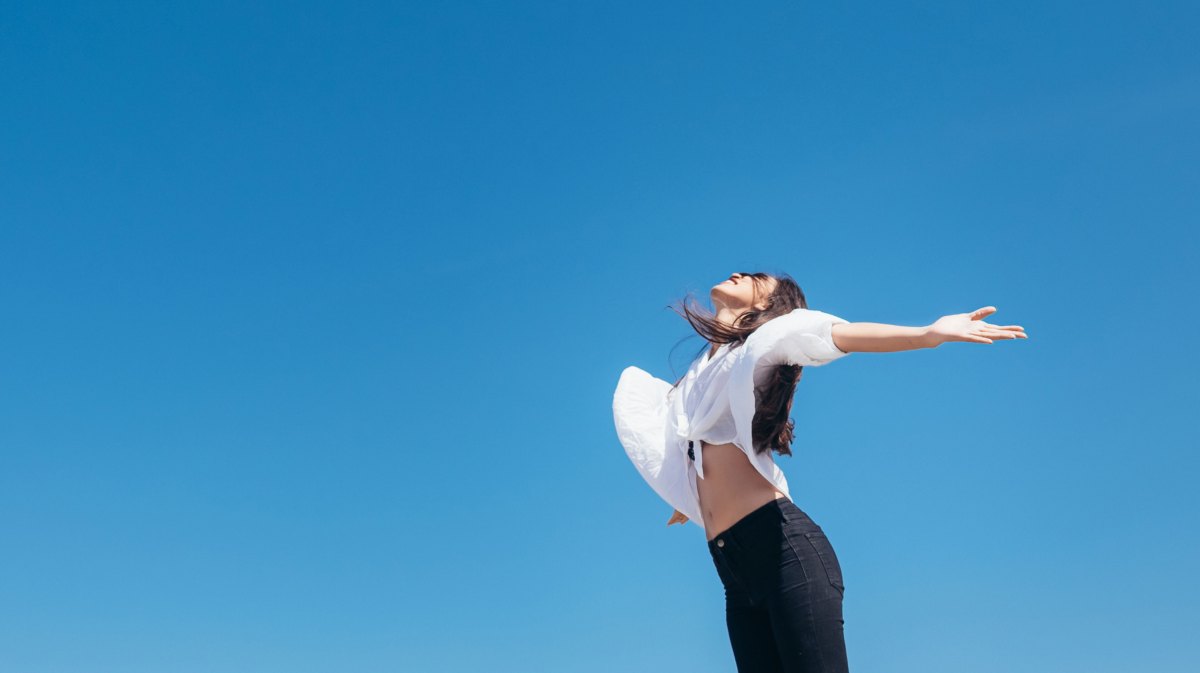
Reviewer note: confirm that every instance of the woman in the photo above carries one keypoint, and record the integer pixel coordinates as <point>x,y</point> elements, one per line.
<point>705,446</point>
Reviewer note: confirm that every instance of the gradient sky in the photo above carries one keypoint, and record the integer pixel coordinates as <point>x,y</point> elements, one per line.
<point>313,313</point>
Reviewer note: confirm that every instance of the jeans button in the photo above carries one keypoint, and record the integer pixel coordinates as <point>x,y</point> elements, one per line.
<point>720,542</point>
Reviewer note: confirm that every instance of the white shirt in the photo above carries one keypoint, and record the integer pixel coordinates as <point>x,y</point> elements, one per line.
<point>713,403</point>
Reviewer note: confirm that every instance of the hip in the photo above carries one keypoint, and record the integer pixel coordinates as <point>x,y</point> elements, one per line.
<point>774,547</point>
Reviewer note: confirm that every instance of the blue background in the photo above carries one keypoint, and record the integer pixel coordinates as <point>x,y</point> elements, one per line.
<point>313,314</point>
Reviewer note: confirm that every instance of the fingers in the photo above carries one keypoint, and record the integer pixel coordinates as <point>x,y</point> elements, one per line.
<point>986,336</point>
<point>1000,334</point>
<point>1002,331</point>
<point>982,332</point>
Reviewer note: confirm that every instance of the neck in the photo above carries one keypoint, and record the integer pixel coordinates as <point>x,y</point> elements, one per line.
<point>728,315</point>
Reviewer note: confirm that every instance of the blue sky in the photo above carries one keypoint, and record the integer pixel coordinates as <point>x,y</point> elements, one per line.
<point>313,314</point>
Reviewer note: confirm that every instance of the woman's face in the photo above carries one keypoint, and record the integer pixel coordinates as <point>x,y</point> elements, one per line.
<point>742,291</point>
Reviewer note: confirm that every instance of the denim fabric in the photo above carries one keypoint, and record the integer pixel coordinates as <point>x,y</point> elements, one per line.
<point>783,592</point>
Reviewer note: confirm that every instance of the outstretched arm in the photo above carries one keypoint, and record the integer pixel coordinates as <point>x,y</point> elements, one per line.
<point>873,337</point>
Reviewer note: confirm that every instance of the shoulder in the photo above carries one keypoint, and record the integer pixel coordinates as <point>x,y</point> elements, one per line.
<point>800,336</point>
<point>781,325</point>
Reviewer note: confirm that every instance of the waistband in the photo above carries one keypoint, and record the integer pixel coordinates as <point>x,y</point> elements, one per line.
<point>745,528</point>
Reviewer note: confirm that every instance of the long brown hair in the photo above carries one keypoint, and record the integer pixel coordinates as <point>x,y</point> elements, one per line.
<point>772,427</point>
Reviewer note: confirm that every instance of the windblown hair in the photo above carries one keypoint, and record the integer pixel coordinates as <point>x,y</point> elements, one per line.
<point>772,427</point>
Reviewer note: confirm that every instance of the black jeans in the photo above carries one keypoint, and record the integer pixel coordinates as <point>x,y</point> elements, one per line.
<point>783,592</point>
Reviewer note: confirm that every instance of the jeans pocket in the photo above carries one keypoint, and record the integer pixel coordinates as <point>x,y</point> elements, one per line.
<point>794,552</point>
<point>829,560</point>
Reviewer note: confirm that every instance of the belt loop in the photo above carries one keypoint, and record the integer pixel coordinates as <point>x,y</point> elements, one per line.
<point>785,512</point>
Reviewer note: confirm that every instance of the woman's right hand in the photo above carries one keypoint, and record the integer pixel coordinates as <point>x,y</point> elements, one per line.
<point>972,328</point>
<point>677,517</point>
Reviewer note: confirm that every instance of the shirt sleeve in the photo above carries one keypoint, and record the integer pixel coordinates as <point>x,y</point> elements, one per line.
<point>803,337</point>
<point>640,408</point>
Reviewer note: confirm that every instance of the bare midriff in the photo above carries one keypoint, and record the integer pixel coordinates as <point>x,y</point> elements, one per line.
<point>731,487</point>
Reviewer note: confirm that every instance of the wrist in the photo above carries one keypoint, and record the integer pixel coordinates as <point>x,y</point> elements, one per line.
<point>930,338</point>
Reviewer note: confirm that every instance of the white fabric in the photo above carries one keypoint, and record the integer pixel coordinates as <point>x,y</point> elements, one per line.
<point>713,403</point>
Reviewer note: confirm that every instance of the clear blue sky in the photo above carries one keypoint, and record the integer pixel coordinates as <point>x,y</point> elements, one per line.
<point>313,314</point>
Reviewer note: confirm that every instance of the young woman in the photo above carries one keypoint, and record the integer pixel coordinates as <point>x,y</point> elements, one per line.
<point>705,445</point>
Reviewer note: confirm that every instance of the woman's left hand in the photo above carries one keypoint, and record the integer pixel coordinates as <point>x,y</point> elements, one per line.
<point>971,327</point>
